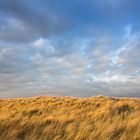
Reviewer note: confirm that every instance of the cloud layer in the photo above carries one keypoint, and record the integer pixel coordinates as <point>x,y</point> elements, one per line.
<point>73,48</point>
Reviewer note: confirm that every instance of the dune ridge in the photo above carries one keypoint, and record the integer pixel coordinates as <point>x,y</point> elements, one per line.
<point>70,118</point>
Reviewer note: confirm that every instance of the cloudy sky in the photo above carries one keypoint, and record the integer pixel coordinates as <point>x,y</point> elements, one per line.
<point>69,47</point>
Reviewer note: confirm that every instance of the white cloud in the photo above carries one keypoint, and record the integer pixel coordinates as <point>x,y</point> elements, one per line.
<point>112,78</point>
<point>128,31</point>
<point>40,43</point>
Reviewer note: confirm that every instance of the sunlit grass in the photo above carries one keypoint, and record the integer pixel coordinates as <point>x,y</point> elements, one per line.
<point>68,118</point>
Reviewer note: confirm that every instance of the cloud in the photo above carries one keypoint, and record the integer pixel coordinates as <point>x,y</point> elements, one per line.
<point>26,16</point>
<point>22,21</point>
<point>72,47</point>
<point>43,66</point>
<point>126,58</point>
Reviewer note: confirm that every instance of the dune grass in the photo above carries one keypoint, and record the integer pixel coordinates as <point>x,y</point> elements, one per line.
<point>69,118</point>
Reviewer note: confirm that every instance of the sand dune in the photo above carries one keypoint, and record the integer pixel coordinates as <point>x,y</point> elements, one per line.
<point>69,118</point>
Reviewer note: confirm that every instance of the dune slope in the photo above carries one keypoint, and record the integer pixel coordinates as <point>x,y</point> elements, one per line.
<point>69,118</point>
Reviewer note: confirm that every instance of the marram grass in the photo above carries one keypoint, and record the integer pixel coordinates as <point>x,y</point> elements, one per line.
<point>69,118</point>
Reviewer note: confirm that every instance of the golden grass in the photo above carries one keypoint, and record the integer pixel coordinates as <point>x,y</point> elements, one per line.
<point>69,118</point>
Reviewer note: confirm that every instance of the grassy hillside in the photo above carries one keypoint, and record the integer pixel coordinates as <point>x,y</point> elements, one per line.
<point>68,118</point>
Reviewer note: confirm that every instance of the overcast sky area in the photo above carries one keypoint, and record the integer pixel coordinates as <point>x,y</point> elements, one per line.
<point>69,47</point>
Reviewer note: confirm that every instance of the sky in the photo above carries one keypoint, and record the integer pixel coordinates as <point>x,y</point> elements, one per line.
<point>78,48</point>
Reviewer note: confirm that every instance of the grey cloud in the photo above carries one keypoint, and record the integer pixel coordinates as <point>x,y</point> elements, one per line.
<point>27,70</point>
<point>51,17</point>
<point>35,22</point>
<point>15,59</point>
